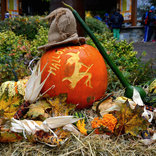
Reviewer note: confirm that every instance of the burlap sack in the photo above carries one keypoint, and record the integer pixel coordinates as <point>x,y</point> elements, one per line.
<point>62,29</point>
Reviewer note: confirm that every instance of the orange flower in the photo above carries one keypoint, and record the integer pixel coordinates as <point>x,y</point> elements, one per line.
<point>108,121</point>
<point>11,54</point>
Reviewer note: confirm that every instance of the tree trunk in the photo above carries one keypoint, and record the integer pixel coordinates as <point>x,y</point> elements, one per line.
<point>3,9</point>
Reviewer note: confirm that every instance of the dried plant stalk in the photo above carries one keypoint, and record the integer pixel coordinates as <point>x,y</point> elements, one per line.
<point>32,90</point>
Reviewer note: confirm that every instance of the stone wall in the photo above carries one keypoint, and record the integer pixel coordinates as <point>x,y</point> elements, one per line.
<point>132,33</point>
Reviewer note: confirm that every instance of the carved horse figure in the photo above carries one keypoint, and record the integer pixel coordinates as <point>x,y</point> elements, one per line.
<point>77,75</point>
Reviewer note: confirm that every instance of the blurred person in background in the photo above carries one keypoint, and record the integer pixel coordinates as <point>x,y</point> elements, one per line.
<point>149,22</point>
<point>116,23</point>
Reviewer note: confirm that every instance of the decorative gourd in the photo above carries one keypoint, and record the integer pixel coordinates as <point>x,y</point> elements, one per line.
<point>107,121</point>
<point>79,71</point>
<point>152,87</point>
<point>11,96</point>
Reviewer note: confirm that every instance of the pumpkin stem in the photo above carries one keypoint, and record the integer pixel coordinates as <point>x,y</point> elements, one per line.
<point>68,6</point>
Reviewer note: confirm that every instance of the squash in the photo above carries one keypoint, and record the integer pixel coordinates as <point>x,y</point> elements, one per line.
<point>11,96</point>
<point>152,87</point>
<point>79,71</point>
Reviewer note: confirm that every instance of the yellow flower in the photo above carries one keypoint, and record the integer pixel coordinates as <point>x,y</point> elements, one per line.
<point>88,14</point>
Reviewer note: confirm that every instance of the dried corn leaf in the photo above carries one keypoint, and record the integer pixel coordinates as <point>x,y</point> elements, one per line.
<point>34,85</point>
<point>71,128</point>
<point>30,126</point>
<point>106,106</point>
<point>59,121</point>
<point>137,98</point>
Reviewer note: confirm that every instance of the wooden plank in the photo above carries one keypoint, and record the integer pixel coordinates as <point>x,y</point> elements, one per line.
<point>134,12</point>
<point>3,9</point>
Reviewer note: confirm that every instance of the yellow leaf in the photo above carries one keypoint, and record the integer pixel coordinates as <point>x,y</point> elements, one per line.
<point>59,105</point>
<point>38,109</point>
<point>10,105</point>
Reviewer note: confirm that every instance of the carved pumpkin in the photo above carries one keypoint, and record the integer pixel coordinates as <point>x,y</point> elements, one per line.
<point>79,71</point>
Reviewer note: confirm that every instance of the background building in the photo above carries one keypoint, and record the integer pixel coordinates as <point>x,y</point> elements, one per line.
<point>39,7</point>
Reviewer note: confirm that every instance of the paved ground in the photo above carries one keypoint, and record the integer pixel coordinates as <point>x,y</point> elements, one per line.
<point>149,48</point>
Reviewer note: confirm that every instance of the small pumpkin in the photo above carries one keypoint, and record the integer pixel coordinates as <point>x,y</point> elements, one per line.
<point>79,71</point>
<point>11,96</point>
<point>152,87</point>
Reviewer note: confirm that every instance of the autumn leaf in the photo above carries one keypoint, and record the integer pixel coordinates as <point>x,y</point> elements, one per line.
<point>103,107</point>
<point>59,105</point>
<point>1,112</point>
<point>130,121</point>
<point>10,137</point>
<point>39,109</point>
<point>10,105</point>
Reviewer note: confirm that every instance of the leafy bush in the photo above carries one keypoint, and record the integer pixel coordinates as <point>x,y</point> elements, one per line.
<point>41,38</point>
<point>97,26</point>
<point>25,26</point>
<point>16,52</point>
<point>124,56</point>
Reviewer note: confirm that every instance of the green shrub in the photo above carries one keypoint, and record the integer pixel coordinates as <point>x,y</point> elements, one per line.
<point>124,56</point>
<point>97,26</point>
<point>25,26</point>
<point>14,52</point>
<point>41,38</point>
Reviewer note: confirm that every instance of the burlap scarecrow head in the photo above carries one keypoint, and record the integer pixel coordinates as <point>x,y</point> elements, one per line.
<point>62,29</point>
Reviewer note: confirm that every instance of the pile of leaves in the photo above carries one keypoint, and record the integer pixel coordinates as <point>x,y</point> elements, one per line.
<point>113,119</point>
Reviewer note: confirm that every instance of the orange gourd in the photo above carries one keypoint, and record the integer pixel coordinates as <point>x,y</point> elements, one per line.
<point>79,71</point>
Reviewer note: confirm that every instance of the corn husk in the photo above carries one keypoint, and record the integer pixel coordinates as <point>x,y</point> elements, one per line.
<point>71,128</point>
<point>31,126</point>
<point>137,98</point>
<point>59,121</point>
<point>34,85</point>
<point>148,114</point>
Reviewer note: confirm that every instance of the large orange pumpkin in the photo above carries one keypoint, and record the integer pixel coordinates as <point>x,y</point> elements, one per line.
<point>79,71</point>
